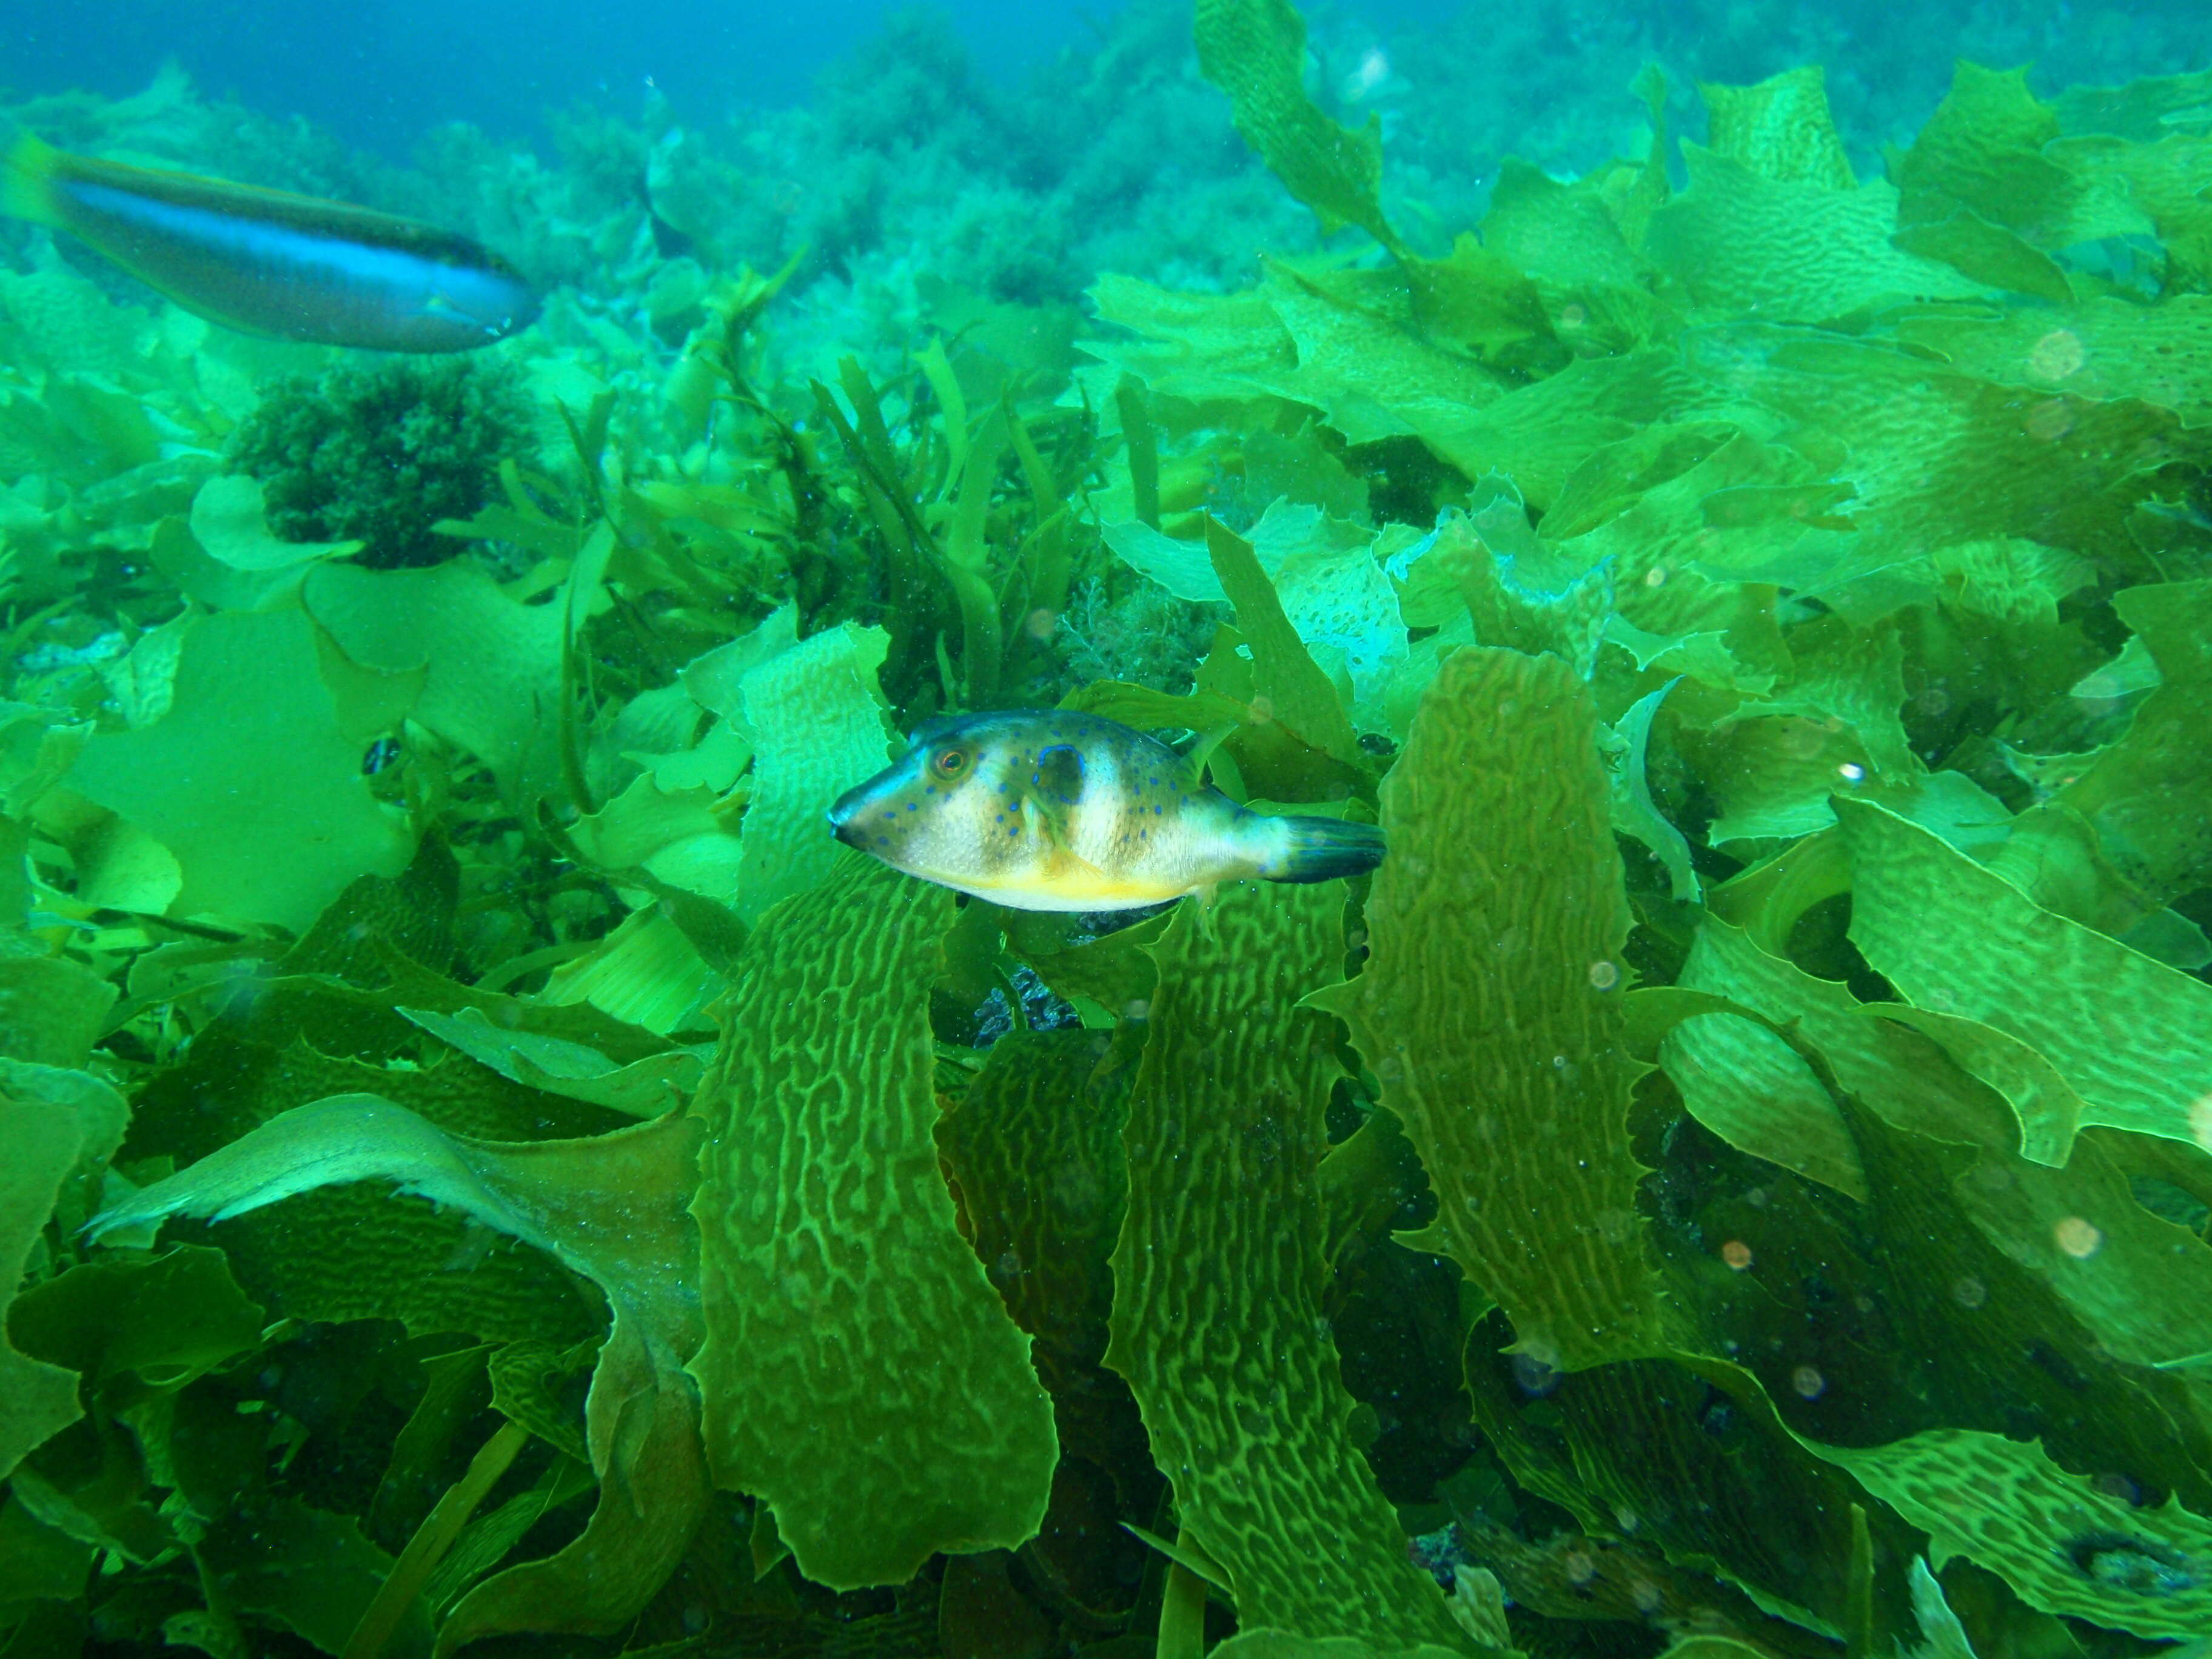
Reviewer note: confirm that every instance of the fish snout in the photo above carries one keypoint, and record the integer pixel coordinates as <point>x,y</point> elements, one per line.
<point>844,814</point>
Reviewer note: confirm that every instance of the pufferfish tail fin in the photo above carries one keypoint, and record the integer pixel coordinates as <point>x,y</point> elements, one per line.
<point>27,173</point>
<point>1320,849</point>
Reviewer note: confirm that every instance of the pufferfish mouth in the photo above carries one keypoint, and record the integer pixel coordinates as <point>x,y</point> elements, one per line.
<point>845,814</point>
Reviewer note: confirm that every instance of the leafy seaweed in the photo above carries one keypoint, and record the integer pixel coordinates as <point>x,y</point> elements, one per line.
<point>478,1164</point>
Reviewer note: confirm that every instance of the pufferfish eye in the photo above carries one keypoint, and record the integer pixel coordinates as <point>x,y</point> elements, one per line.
<point>949,763</point>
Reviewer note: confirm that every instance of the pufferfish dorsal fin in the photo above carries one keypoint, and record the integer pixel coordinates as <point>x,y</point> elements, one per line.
<point>1060,774</point>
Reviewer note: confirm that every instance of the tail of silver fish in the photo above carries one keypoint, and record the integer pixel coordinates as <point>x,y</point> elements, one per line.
<point>1319,849</point>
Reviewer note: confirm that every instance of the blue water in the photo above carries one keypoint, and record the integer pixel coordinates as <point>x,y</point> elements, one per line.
<point>381,73</point>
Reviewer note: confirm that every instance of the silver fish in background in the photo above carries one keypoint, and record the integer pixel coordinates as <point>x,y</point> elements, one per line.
<point>268,262</point>
<point>1046,810</point>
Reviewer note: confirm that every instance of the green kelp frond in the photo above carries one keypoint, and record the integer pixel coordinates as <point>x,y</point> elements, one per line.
<point>859,1372</point>
<point>248,782</point>
<point>1254,50</point>
<point>1769,618</point>
<point>1955,943</point>
<point>1219,1276</point>
<point>2063,1544</point>
<point>58,1126</point>
<point>610,1207</point>
<point>1503,885</point>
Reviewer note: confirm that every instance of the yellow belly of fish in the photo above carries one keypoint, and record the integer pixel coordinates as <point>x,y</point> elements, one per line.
<point>1064,882</point>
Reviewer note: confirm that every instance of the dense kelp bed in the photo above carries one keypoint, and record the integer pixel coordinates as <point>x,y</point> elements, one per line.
<point>482,1167</point>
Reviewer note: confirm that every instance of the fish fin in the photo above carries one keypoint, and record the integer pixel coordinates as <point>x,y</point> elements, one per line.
<point>26,176</point>
<point>1196,757</point>
<point>1319,849</point>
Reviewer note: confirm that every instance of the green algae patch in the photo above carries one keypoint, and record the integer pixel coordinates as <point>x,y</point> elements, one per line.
<point>1490,1007</point>
<point>859,1373</point>
<point>2130,1036</point>
<point>2062,1544</point>
<point>1219,1275</point>
<point>248,779</point>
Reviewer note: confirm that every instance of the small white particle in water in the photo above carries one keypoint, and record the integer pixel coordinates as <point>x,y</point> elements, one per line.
<point>1852,772</point>
<point>2077,1237</point>
<point>1604,975</point>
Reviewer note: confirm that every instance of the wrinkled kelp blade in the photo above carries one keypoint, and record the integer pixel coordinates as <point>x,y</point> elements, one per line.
<point>815,720</point>
<point>1034,1147</point>
<point>611,1208</point>
<point>2063,1544</point>
<point>1254,50</point>
<point>1489,1006</point>
<point>2132,1037</point>
<point>859,1373</point>
<point>1749,1087</point>
<point>1217,1320</point>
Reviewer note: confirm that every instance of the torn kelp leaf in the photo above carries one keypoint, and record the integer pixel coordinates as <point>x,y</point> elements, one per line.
<point>610,1208</point>
<point>815,720</point>
<point>248,780</point>
<point>860,1375</point>
<point>2150,794</point>
<point>491,666</point>
<point>2062,1543</point>
<point>1749,1087</point>
<point>2131,1036</point>
<point>1254,50</point>
<point>1780,129</point>
<point>1218,1321</point>
<point>1504,884</point>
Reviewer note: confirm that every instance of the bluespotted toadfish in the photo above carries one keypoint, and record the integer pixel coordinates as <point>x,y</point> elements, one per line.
<point>268,262</point>
<point>1064,811</point>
